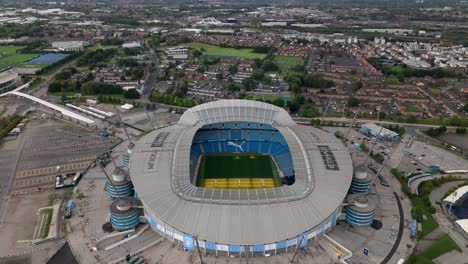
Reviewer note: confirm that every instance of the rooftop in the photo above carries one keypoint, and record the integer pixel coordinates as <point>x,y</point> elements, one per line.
<point>322,165</point>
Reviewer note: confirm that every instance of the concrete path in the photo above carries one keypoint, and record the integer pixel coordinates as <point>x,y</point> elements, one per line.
<point>414,185</point>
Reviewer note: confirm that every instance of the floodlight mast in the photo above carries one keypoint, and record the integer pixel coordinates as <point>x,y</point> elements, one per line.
<point>325,112</point>
<point>374,142</point>
<point>352,122</point>
<point>198,249</point>
<point>150,120</point>
<point>123,124</point>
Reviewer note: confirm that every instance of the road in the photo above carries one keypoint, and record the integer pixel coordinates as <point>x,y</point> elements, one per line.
<point>151,80</point>
<point>306,121</point>
<point>41,89</point>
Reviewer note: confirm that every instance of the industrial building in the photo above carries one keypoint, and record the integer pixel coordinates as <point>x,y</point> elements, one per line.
<point>315,168</point>
<point>69,45</point>
<point>177,53</point>
<point>381,133</point>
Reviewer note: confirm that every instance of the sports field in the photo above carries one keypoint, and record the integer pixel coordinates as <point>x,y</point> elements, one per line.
<point>9,57</point>
<point>237,171</point>
<point>215,51</point>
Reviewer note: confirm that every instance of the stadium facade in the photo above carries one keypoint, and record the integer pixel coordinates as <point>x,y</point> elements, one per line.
<point>8,78</point>
<point>315,168</point>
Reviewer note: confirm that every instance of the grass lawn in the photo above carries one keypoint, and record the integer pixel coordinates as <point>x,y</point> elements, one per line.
<point>9,57</point>
<point>435,91</point>
<point>46,225</point>
<point>413,108</point>
<point>10,49</point>
<point>443,245</point>
<point>215,51</point>
<point>429,224</point>
<point>236,165</point>
<point>285,62</point>
<point>460,35</point>
<point>396,69</point>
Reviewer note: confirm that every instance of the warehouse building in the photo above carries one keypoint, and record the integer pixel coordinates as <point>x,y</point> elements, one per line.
<point>381,133</point>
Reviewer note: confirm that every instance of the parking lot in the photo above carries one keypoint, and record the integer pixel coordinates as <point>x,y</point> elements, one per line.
<point>51,146</point>
<point>383,147</point>
<point>47,148</point>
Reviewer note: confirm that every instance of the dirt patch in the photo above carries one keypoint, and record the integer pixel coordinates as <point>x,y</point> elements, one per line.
<point>460,141</point>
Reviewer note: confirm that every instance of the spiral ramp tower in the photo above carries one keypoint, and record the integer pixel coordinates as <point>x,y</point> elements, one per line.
<point>122,183</point>
<point>360,210</point>
<point>360,183</point>
<point>126,156</point>
<point>125,213</point>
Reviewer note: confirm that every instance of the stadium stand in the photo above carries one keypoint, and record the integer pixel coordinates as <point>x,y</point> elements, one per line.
<point>248,137</point>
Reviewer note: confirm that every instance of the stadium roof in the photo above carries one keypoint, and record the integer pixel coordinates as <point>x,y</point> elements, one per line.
<point>236,110</point>
<point>160,173</point>
<point>463,223</point>
<point>456,195</point>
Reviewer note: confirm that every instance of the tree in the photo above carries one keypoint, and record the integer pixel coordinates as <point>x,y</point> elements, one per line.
<point>353,101</point>
<point>197,53</point>
<point>363,147</point>
<point>249,84</point>
<point>293,106</point>
<point>258,74</point>
<point>379,157</point>
<point>308,110</point>
<point>131,94</point>
<point>317,81</point>
<point>460,130</point>
<point>54,87</point>
<point>357,85</point>
<point>232,69</point>
<point>278,102</point>
<point>465,107</point>
<point>298,68</point>
<point>269,65</point>
<point>219,76</point>
<point>435,132</point>
<point>93,87</point>
<point>411,119</point>
<point>127,62</point>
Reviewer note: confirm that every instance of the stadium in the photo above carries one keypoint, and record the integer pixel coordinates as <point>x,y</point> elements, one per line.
<point>240,176</point>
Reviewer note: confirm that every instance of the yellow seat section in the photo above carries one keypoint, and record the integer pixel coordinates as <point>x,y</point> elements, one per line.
<point>239,183</point>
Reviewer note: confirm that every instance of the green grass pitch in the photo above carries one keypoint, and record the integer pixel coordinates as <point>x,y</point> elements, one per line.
<point>237,165</point>
<point>9,57</point>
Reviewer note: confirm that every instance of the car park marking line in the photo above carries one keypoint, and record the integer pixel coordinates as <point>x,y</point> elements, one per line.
<point>40,227</point>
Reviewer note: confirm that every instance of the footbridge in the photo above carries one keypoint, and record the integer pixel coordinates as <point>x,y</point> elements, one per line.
<point>60,109</point>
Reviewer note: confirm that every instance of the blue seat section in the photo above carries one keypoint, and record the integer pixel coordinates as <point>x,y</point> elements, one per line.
<point>264,146</point>
<point>229,137</point>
